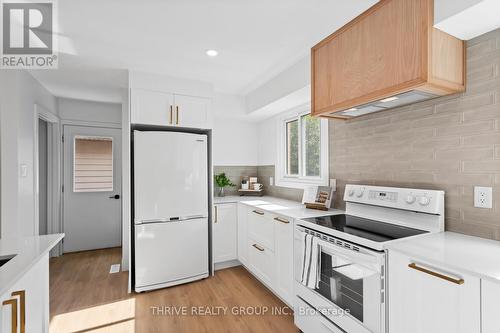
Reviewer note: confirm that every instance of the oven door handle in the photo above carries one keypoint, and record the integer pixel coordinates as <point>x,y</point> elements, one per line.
<point>350,255</point>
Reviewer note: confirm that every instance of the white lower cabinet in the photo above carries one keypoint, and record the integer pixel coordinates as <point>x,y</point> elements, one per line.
<point>283,228</point>
<point>242,234</point>
<point>261,262</point>
<point>26,304</point>
<point>225,232</point>
<point>268,253</point>
<point>490,306</point>
<point>424,298</point>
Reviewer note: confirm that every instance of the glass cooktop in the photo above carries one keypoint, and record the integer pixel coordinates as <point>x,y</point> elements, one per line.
<point>369,229</point>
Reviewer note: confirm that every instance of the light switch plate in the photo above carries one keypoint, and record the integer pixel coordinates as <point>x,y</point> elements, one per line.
<point>271,181</point>
<point>333,184</point>
<point>483,197</point>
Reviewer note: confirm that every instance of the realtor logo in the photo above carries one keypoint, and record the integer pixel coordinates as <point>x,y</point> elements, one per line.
<point>28,35</point>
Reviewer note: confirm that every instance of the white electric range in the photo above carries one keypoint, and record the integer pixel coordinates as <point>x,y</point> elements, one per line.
<point>340,260</point>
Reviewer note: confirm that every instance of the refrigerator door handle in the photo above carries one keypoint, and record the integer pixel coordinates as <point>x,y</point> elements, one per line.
<point>170,219</point>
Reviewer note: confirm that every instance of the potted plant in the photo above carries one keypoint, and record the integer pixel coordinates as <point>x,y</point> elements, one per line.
<point>222,181</point>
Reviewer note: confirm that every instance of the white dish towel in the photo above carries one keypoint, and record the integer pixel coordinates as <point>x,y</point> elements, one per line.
<point>310,261</point>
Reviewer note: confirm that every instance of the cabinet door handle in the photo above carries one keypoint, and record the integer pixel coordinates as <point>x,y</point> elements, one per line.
<point>177,115</point>
<point>171,114</point>
<point>216,214</point>
<point>257,212</point>
<point>13,307</point>
<point>260,248</point>
<point>436,274</point>
<point>22,299</point>
<point>281,220</point>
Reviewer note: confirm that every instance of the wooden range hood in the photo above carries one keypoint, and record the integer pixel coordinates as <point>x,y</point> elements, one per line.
<point>389,56</point>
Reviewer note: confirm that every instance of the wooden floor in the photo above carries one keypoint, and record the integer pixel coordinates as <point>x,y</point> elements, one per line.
<point>84,297</point>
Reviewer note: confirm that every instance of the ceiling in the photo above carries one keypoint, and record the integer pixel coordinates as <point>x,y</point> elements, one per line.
<point>100,39</point>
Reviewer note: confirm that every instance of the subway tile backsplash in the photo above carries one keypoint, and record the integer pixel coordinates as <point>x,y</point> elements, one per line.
<point>234,173</point>
<point>450,143</point>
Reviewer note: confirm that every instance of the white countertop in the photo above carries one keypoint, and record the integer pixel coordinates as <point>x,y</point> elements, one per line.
<point>28,251</point>
<point>283,207</point>
<point>473,255</point>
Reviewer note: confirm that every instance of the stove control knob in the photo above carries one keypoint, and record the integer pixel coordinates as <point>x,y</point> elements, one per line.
<point>360,192</point>
<point>351,192</point>
<point>410,199</point>
<point>424,201</point>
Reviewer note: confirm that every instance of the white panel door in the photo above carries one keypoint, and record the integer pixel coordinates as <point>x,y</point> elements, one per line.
<point>170,251</point>
<point>91,215</point>
<point>35,284</point>
<point>170,175</point>
<point>192,111</point>
<point>242,234</point>
<point>151,107</point>
<point>490,305</point>
<point>284,258</point>
<point>421,302</point>
<point>225,232</point>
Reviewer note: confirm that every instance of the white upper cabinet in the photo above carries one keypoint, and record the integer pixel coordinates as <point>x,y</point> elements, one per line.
<point>167,109</point>
<point>225,232</point>
<point>424,298</point>
<point>151,107</point>
<point>192,111</point>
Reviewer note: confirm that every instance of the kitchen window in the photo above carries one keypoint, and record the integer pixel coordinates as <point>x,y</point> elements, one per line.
<point>302,150</point>
<point>93,164</point>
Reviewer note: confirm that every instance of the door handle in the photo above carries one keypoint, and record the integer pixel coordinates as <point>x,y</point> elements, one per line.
<point>22,300</point>
<point>281,220</point>
<point>177,115</point>
<point>436,274</point>
<point>13,320</point>
<point>257,212</point>
<point>216,215</point>
<point>116,196</point>
<point>171,114</point>
<point>260,248</point>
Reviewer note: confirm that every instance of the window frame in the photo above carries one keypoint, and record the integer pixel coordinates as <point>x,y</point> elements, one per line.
<point>301,181</point>
<point>97,138</point>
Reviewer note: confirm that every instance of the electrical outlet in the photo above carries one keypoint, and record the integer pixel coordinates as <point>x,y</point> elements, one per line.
<point>271,181</point>
<point>333,184</point>
<point>483,197</point>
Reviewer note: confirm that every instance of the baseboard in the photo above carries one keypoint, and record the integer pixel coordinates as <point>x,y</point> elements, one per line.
<point>227,264</point>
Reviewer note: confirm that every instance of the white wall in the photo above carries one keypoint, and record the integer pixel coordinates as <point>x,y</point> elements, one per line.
<point>87,111</point>
<point>288,82</point>
<point>234,136</point>
<point>267,141</point>
<point>19,92</point>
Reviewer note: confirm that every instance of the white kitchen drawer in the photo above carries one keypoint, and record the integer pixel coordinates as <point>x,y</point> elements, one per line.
<point>261,261</point>
<point>310,321</point>
<point>424,297</point>
<point>261,227</point>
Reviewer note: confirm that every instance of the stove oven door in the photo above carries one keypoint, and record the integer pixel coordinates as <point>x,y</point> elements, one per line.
<point>349,288</point>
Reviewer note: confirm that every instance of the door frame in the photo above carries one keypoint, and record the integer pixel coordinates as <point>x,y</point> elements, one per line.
<point>53,174</point>
<point>93,124</point>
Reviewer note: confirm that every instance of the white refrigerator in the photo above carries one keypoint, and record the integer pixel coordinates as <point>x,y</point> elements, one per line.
<point>170,209</point>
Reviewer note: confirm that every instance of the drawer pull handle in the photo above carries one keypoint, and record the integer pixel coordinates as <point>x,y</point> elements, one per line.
<point>281,220</point>
<point>171,114</point>
<point>13,320</point>
<point>257,212</point>
<point>438,275</point>
<point>260,248</point>
<point>22,300</point>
